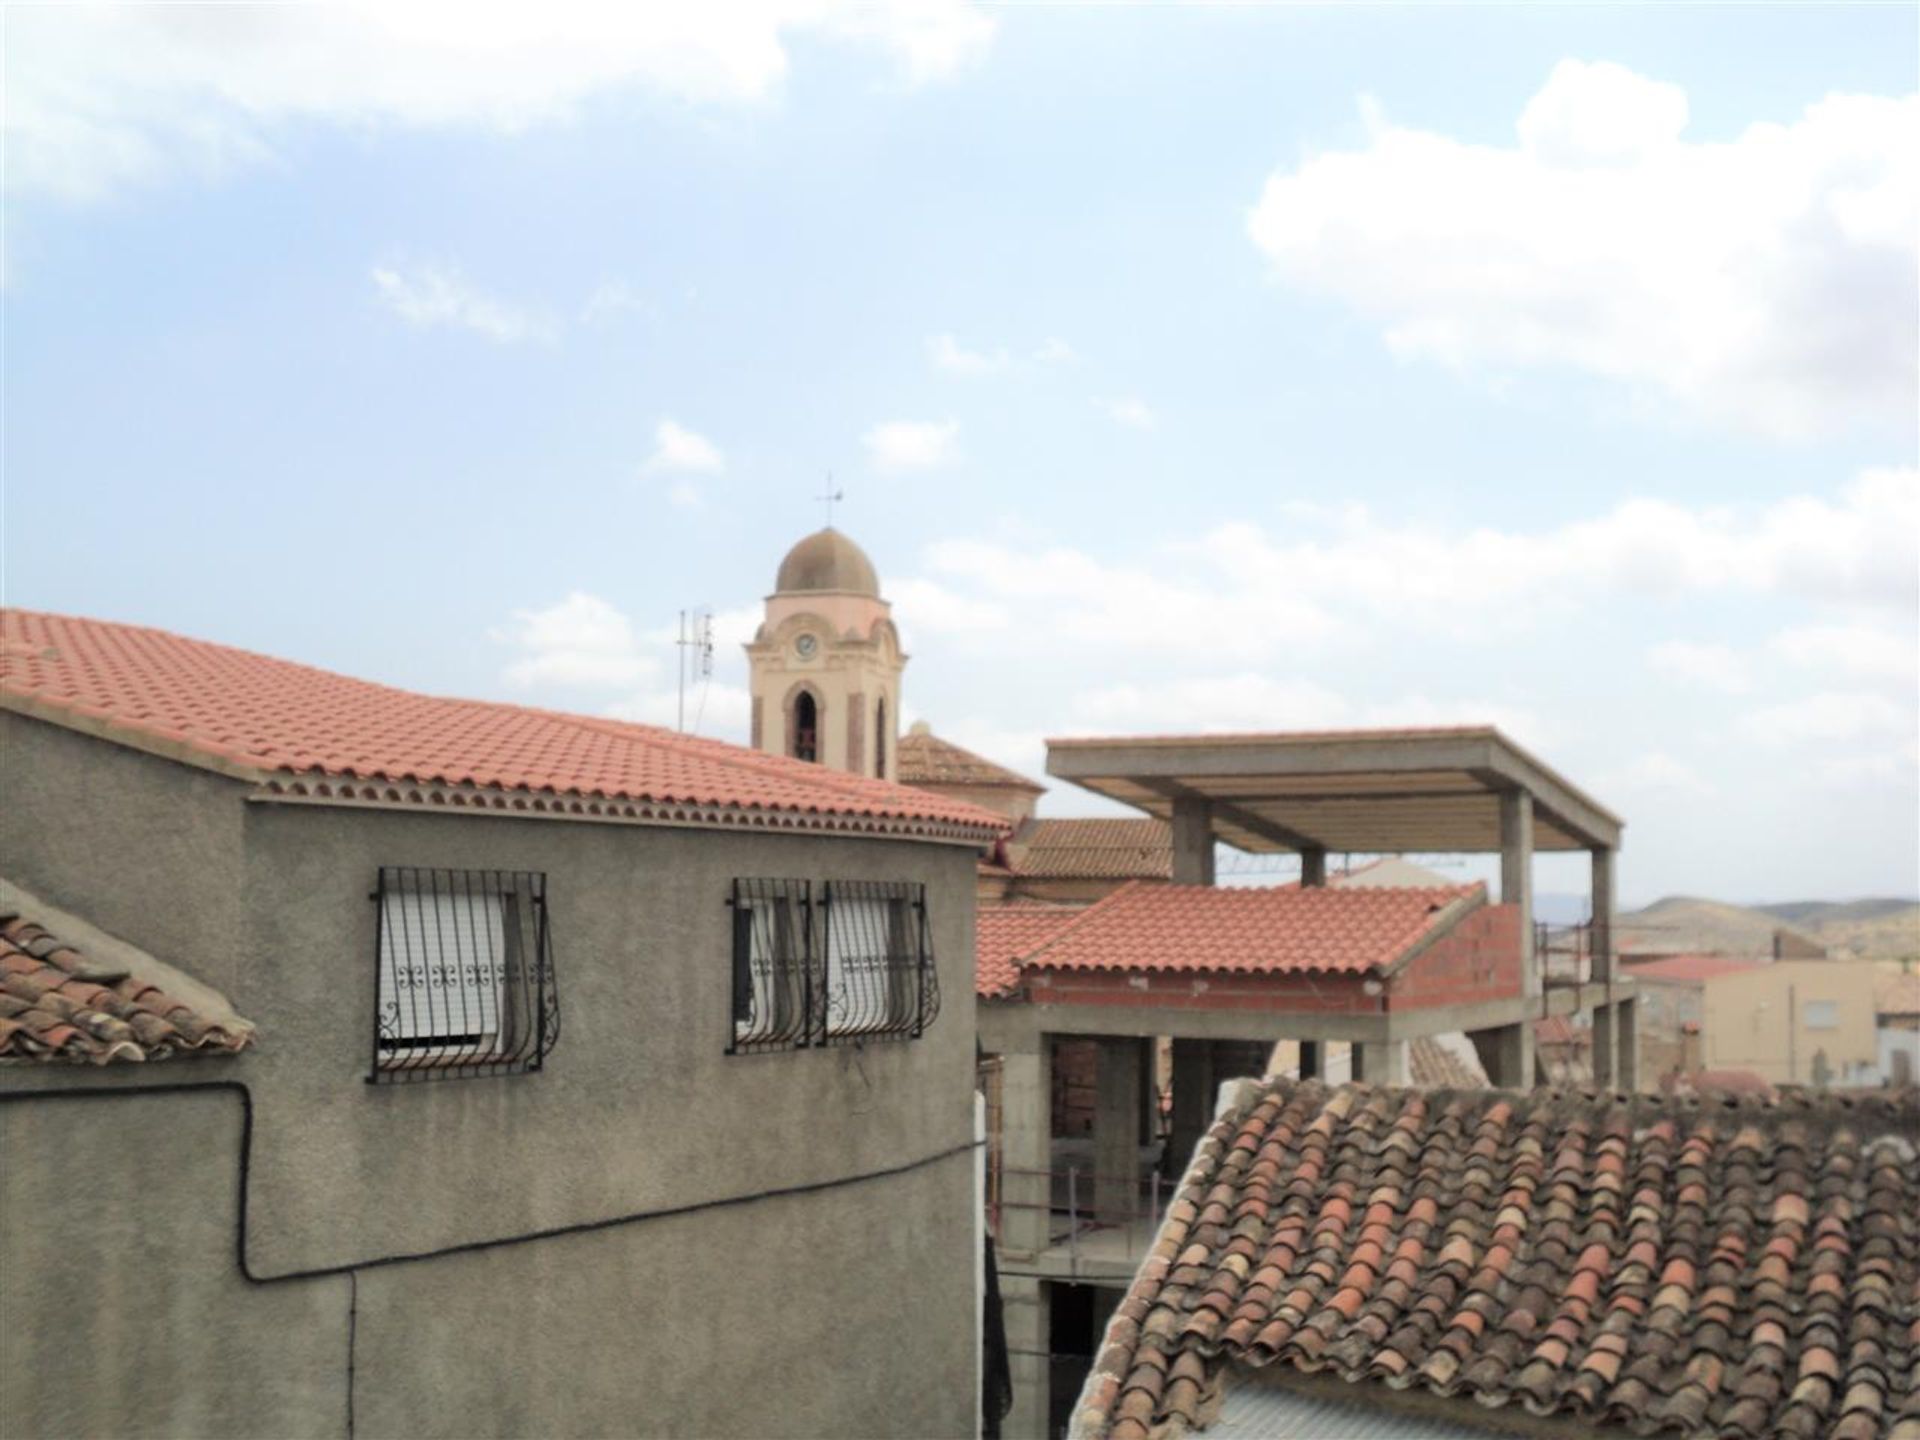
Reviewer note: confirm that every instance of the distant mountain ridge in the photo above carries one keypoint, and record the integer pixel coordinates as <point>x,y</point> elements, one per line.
<point>1875,928</point>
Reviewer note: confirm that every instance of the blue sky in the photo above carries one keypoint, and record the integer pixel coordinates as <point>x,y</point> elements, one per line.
<point>1184,368</point>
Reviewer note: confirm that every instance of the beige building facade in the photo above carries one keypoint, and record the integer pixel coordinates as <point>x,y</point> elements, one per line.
<point>1797,1022</point>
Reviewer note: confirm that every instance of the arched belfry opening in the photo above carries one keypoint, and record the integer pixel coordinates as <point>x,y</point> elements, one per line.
<point>804,728</point>
<point>826,661</point>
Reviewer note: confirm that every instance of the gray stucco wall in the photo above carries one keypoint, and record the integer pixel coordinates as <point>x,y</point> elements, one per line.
<point>845,1311</point>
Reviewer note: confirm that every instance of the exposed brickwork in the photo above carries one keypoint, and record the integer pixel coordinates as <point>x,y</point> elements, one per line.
<point>1476,960</point>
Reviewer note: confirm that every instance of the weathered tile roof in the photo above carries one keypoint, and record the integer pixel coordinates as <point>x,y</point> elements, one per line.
<point>1253,929</point>
<point>923,758</point>
<point>1898,995</point>
<point>1687,969</point>
<point>59,1005</point>
<point>1434,1065</point>
<point>1002,934</point>
<point>1095,850</point>
<point>310,733</point>
<point>1734,1267</point>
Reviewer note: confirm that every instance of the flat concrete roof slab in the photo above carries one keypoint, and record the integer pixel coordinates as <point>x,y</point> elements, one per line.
<point>1350,791</point>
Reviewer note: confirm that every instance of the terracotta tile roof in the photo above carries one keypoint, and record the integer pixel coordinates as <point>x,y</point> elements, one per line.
<point>1261,930</point>
<point>58,1005</point>
<point>1687,969</point>
<point>1898,995</point>
<point>259,717</point>
<point>923,758</point>
<point>1559,1030</point>
<point>1002,934</point>
<point>1434,1065</point>
<point>1733,1267</point>
<point>1095,850</point>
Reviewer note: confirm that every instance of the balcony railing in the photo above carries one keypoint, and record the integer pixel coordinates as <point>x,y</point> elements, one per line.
<point>1077,1223</point>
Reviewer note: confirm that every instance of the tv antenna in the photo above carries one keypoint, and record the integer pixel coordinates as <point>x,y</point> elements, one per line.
<point>833,497</point>
<point>696,657</point>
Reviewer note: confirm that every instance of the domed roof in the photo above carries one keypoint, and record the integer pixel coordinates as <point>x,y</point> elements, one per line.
<point>827,560</point>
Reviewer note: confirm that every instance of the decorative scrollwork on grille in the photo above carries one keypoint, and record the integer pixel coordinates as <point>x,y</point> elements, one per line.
<point>849,963</point>
<point>463,974</point>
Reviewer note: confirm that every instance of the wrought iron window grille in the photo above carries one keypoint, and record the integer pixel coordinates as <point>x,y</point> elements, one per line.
<point>463,974</point>
<point>842,965</point>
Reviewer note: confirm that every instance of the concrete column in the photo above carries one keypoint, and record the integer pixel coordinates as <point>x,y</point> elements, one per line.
<point>1381,1062</point>
<point>1601,901</point>
<point>1192,1100</point>
<point>1026,1304</point>
<point>1626,1055</point>
<point>1313,1059</point>
<point>1116,1131</point>
<point>1313,868</point>
<point>1026,1147</point>
<point>1192,840</point>
<point>1506,1052</point>
<point>1516,876</point>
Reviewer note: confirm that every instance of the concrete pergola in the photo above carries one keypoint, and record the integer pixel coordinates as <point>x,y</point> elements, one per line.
<point>1454,790</point>
<point>1451,791</point>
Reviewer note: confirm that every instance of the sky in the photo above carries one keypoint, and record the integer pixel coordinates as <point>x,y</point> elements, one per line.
<point>1183,369</point>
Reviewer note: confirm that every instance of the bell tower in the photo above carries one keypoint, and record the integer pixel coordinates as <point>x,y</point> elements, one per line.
<point>826,662</point>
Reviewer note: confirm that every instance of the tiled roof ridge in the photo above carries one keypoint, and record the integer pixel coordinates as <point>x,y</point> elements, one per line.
<point>1434,1277</point>
<point>991,773</point>
<point>1098,907</point>
<point>864,796</point>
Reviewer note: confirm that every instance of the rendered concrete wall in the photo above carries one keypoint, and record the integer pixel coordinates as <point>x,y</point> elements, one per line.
<point>1757,1020</point>
<point>848,1311</point>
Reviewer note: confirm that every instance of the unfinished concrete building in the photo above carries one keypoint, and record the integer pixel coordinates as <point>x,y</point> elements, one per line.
<point>1225,974</point>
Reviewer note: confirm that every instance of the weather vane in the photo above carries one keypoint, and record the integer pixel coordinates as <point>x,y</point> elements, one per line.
<point>829,499</point>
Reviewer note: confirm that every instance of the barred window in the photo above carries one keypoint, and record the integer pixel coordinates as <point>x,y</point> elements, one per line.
<point>845,963</point>
<point>464,974</point>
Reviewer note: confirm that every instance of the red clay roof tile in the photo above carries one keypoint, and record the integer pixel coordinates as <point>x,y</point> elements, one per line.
<point>1267,930</point>
<point>272,717</point>
<point>49,1014</point>
<point>1650,1310</point>
<point>1119,849</point>
<point>923,758</point>
<point>1003,934</point>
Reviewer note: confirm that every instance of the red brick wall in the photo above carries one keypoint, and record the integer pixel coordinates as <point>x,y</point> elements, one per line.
<point>1478,960</point>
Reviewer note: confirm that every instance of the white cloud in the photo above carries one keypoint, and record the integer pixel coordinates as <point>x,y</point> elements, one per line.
<point>1341,573</point>
<point>1768,280</point>
<point>922,604</point>
<point>430,296</point>
<point>680,451</point>
<point>1829,717</point>
<point>1867,652</point>
<point>711,709</point>
<point>1713,667</point>
<point>1251,701</point>
<point>945,352</point>
<point>101,97</point>
<point>948,354</point>
<point>896,445</point>
<point>1130,411</point>
<point>611,298</point>
<point>582,641</point>
<point>1655,773</point>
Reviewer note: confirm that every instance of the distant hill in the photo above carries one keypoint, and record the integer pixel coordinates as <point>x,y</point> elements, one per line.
<point>1687,923</point>
<point>1808,913</point>
<point>1881,929</point>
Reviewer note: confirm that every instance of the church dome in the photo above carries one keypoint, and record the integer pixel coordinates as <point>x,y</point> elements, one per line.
<point>827,560</point>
